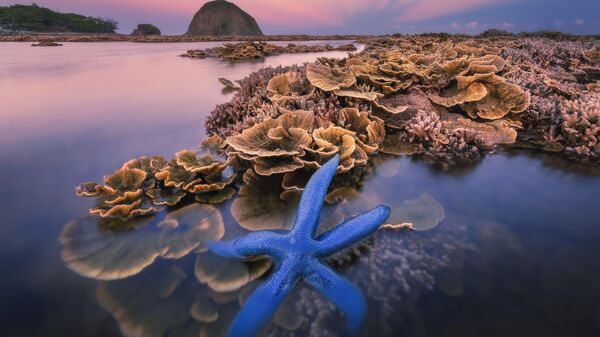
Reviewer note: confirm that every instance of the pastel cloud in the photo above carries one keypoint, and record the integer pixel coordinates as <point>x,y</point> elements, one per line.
<point>352,16</point>
<point>472,24</point>
<point>304,12</point>
<point>416,10</point>
<point>475,26</point>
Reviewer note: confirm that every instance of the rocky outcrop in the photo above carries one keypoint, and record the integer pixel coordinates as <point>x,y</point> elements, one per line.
<point>254,50</point>
<point>223,18</point>
<point>145,29</point>
<point>46,44</point>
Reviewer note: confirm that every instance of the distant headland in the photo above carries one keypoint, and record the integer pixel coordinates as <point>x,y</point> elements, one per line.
<point>33,18</point>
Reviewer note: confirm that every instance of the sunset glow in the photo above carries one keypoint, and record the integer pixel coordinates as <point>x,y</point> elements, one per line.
<point>353,16</point>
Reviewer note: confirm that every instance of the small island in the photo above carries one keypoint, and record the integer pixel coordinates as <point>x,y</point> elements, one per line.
<point>145,29</point>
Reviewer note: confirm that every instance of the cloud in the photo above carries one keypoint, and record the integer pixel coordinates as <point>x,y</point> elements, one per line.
<point>477,26</point>
<point>415,10</point>
<point>472,24</point>
<point>579,22</point>
<point>303,13</point>
<point>558,23</point>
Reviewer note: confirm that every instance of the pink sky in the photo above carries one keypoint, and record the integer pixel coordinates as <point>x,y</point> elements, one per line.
<point>311,16</point>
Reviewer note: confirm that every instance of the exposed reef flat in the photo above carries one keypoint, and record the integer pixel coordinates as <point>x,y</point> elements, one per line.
<point>46,43</point>
<point>256,50</point>
<point>453,97</point>
<point>74,37</point>
<point>112,37</point>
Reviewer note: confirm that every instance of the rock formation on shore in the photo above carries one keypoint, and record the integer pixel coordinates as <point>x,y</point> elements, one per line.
<point>145,29</point>
<point>223,18</point>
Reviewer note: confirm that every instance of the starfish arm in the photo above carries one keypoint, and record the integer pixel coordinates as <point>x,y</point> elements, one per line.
<point>252,244</point>
<point>261,305</point>
<point>352,231</point>
<point>309,210</point>
<point>341,292</point>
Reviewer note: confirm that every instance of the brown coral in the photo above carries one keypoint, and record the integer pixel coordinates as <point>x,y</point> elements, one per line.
<point>89,248</point>
<point>283,136</point>
<point>288,86</point>
<point>329,79</point>
<point>370,131</point>
<point>275,145</point>
<point>122,196</point>
<point>486,134</point>
<point>487,96</point>
<point>334,140</point>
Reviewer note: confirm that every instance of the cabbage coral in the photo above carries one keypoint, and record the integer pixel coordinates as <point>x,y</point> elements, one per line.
<point>447,99</point>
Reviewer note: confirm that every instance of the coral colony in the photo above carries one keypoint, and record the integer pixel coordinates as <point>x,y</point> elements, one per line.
<point>257,50</point>
<point>449,100</point>
<point>298,257</point>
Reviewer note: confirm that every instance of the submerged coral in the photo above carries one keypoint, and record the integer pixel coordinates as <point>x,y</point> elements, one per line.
<point>112,249</point>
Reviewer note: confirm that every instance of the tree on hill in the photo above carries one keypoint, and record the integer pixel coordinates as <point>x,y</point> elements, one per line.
<point>39,19</point>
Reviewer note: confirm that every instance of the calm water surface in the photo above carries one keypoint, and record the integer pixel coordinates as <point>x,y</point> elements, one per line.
<point>516,253</point>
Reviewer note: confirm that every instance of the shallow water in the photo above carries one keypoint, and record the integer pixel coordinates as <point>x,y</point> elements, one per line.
<point>515,255</point>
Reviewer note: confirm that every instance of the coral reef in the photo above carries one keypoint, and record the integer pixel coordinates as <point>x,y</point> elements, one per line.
<point>146,185</point>
<point>561,78</point>
<point>425,89</point>
<point>448,99</point>
<point>257,50</point>
<point>83,37</point>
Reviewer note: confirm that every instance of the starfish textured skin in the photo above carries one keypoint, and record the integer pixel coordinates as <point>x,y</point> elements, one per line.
<point>298,257</point>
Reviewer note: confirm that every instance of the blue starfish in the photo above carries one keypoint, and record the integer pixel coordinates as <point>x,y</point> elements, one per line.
<point>298,257</point>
